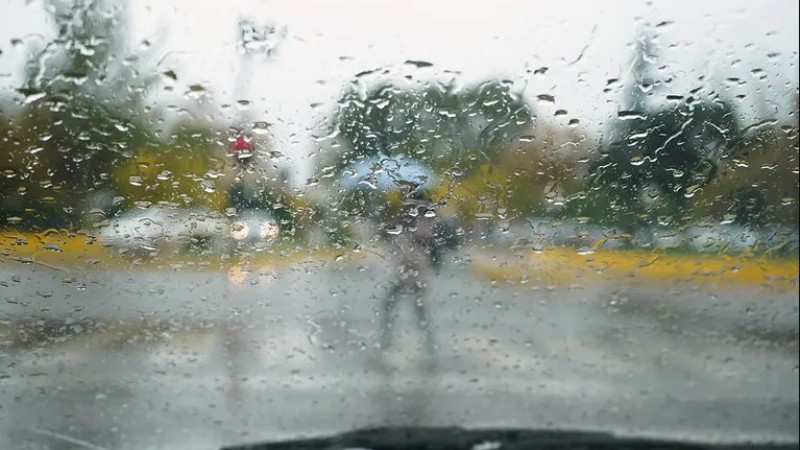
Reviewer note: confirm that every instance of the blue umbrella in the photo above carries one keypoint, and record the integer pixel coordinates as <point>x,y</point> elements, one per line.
<point>383,173</point>
<point>361,175</point>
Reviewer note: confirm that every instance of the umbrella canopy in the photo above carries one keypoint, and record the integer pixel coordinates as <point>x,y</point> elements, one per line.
<point>383,173</point>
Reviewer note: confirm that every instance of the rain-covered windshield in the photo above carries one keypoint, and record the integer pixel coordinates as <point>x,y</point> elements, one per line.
<point>230,222</point>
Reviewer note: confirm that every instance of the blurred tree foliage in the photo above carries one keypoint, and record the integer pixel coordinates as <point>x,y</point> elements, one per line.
<point>442,125</point>
<point>82,129</point>
<point>458,131</point>
<point>83,139</point>
<point>675,149</point>
<point>758,186</point>
<point>534,174</point>
<point>90,88</point>
<point>184,169</point>
<point>82,112</point>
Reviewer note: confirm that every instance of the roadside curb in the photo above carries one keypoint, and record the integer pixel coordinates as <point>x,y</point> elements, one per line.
<point>62,251</point>
<point>566,266</point>
<point>559,266</point>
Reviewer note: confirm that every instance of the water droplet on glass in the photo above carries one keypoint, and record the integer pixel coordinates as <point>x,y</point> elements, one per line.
<point>260,128</point>
<point>546,98</point>
<point>637,161</point>
<point>691,191</point>
<point>196,91</point>
<point>395,230</point>
<point>631,115</point>
<point>419,64</point>
<point>32,96</point>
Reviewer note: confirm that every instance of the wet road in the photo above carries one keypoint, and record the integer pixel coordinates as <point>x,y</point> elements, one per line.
<point>191,359</point>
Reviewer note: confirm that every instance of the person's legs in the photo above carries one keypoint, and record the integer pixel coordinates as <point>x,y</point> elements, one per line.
<point>423,317</point>
<point>388,313</point>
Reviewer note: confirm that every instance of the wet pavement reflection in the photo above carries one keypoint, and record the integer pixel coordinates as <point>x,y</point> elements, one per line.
<point>200,360</point>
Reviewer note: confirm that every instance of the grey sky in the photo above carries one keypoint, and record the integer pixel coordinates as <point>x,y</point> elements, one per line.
<point>329,41</point>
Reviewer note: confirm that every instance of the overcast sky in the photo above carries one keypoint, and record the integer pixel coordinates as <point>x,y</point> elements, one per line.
<point>583,43</point>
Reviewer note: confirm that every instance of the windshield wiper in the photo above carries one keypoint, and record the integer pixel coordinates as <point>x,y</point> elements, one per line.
<point>448,438</point>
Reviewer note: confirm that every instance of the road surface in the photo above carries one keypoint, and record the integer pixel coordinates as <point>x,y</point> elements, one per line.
<point>192,359</point>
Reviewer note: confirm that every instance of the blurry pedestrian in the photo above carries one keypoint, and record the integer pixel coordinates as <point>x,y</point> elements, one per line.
<point>417,239</point>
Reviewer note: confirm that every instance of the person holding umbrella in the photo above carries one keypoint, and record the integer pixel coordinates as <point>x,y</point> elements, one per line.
<point>415,236</point>
<point>410,237</point>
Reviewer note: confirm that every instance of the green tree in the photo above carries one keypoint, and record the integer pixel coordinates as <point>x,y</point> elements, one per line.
<point>441,125</point>
<point>84,109</point>
<point>758,185</point>
<point>183,169</point>
<point>675,149</point>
